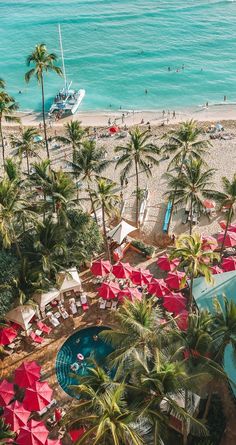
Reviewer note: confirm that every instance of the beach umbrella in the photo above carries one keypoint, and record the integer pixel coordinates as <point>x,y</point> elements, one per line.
<point>209,242</point>
<point>34,433</point>
<point>229,264</point>
<point>7,335</point>
<point>182,320</point>
<point>216,270</point>
<point>222,224</point>
<point>108,291</point>
<point>122,270</point>
<point>141,277</point>
<point>77,434</point>
<point>131,293</point>
<point>58,414</point>
<point>232,228</point>
<point>114,129</point>
<point>158,288</point>
<point>27,373</point>
<point>230,239</point>
<point>6,392</point>
<point>176,279</point>
<point>166,264</point>
<point>38,396</point>
<point>16,415</point>
<point>53,442</point>
<point>100,268</point>
<point>209,204</point>
<point>174,302</point>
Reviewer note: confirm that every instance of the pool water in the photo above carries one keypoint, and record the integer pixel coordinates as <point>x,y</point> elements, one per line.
<point>81,342</point>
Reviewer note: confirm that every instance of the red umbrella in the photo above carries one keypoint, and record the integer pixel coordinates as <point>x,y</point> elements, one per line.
<point>27,374</point>
<point>100,268</point>
<point>158,288</point>
<point>229,264</point>
<point>77,434</point>
<point>175,280</point>
<point>35,433</point>
<point>222,224</point>
<point>38,396</point>
<point>174,303</point>
<point>16,415</point>
<point>209,242</point>
<point>216,270</point>
<point>108,291</point>
<point>182,320</point>
<point>7,335</point>
<point>122,270</point>
<point>53,442</point>
<point>209,204</point>
<point>58,415</point>
<point>232,228</point>
<point>141,277</point>
<point>6,392</point>
<point>132,293</point>
<point>230,239</point>
<point>114,129</point>
<point>166,264</point>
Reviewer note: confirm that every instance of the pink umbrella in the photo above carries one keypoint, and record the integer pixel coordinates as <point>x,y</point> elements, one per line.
<point>16,415</point>
<point>38,396</point>
<point>216,270</point>
<point>109,291</point>
<point>113,129</point>
<point>7,335</point>
<point>35,433</point>
<point>27,374</point>
<point>100,268</point>
<point>229,264</point>
<point>166,264</point>
<point>131,293</point>
<point>222,224</point>
<point>6,392</point>
<point>182,320</point>
<point>158,288</point>
<point>122,270</point>
<point>76,434</point>
<point>209,243</point>
<point>174,303</point>
<point>209,204</point>
<point>230,239</point>
<point>141,277</point>
<point>53,442</point>
<point>232,228</point>
<point>176,279</point>
<point>58,414</point>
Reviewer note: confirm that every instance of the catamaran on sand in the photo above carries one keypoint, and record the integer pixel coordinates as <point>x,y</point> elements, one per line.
<point>67,101</point>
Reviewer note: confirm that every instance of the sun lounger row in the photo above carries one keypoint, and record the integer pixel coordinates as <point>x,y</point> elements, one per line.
<point>108,304</point>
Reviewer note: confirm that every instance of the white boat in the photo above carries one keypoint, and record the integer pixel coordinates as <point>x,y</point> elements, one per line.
<point>68,100</point>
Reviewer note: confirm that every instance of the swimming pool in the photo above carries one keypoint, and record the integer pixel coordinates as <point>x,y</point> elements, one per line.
<point>85,343</point>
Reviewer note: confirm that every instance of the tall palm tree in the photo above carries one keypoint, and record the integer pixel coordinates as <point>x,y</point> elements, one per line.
<point>62,193</point>
<point>26,144</point>
<point>43,62</point>
<point>88,163</point>
<point>196,260</point>
<point>184,144</point>
<point>140,152</point>
<point>12,171</point>
<point>191,187</point>
<point>224,328</point>
<point>105,198</point>
<point>73,135</point>
<point>227,199</point>
<point>7,107</point>
<point>2,84</point>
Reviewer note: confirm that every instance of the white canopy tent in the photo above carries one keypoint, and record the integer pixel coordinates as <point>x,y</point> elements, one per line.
<point>120,231</point>
<point>22,315</point>
<point>44,298</point>
<point>68,281</point>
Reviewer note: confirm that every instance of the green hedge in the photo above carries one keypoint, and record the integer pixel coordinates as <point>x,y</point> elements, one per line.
<point>147,250</point>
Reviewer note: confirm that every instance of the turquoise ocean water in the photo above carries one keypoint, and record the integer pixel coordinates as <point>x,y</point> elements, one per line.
<point>117,49</point>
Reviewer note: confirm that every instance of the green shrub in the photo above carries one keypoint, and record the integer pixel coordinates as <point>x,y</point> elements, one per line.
<point>9,269</point>
<point>147,250</point>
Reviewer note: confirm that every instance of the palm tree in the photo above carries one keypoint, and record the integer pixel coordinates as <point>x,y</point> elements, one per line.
<point>43,62</point>
<point>5,432</point>
<point>88,163</point>
<point>12,171</point>
<point>62,193</point>
<point>224,328</point>
<point>2,84</point>
<point>105,198</point>
<point>140,152</point>
<point>26,144</point>
<point>227,199</point>
<point>188,248</point>
<point>191,186</point>
<point>184,144</point>
<point>7,107</point>
<point>73,135</point>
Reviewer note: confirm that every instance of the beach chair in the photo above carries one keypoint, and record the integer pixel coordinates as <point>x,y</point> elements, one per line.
<point>36,338</point>
<point>54,321</point>
<point>102,304</point>
<point>73,308</point>
<point>85,307</point>
<point>43,327</point>
<point>108,304</point>
<point>78,303</point>
<point>114,305</point>
<point>83,299</point>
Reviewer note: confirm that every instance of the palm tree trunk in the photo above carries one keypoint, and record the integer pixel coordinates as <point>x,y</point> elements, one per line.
<point>92,203</point>
<point>191,217</point>
<point>173,199</point>
<point>105,234</point>
<point>27,161</point>
<point>2,141</point>
<point>190,302</point>
<point>137,192</point>
<point>225,234</point>
<point>44,121</point>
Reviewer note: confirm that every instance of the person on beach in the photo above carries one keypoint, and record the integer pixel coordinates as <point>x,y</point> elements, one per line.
<point>109,122</point>
<point>122,118</point>
<point>174,115</point>
<point>207,104</point>
<point>142,121</point>
<point>163,113</point>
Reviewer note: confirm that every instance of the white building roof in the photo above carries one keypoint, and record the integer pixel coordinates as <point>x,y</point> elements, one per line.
<point>22,315</point>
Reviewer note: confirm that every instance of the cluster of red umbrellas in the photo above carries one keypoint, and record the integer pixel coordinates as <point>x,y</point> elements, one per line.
<point>165,263</point>
<point>158,287</point>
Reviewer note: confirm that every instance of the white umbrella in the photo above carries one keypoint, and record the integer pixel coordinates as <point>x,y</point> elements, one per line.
<point>120,231</point>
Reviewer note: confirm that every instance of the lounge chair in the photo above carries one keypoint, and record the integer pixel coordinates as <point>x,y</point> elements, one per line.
<point>78,303</point>
<point>108,304</point>
<point>85,307</point>
<point>43,327</point>
<point>54,321</point>
<point>36,338</point>
<point>102,304</point>
<point>114,305</point>
<point>73,308</point>
<point>63,313</point>
<point>83,299</point>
